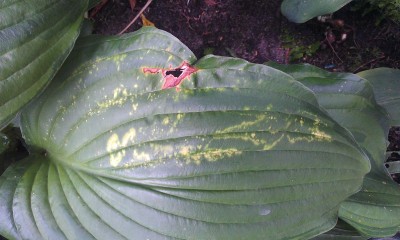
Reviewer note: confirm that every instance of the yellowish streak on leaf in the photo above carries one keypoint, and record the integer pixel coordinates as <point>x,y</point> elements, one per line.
<point>135,106</point>
<point>120,96</point>
<point>142,156</point>
<point>128,137</point>
<point>118,59</point>
<point>243,125</point>
<point>114,146</point>
<point>165,121</point>
<point>211,155</point>
<point>184,151</point>
<point>272,145</point>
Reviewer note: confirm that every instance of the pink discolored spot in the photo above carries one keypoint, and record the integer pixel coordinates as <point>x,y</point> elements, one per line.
<point>173,76</point>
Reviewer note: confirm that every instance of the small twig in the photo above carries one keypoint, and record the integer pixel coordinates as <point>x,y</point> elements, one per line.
<point>333,50</point>
<point>137,16</point>
<point>97,8</point>
<point>369,62</point>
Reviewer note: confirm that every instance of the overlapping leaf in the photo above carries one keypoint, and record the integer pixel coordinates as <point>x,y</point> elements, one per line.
<point>300,11</point>
<point>386,85</point>
<point>242,151</point>
<point>36,37</point>
<point>349,99</point>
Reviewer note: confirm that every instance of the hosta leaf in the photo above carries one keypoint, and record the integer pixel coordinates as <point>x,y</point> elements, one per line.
<point>241,151</point>
<point>36,37</point>
<point>300,11</point>
<point>386,86</point>
<point>349,99</point>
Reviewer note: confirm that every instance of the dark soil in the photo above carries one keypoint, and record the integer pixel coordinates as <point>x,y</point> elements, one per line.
<point>256,31</point>
<point>394,147</point>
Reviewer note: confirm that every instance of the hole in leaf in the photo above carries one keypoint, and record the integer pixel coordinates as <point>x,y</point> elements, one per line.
<point>175,72</point>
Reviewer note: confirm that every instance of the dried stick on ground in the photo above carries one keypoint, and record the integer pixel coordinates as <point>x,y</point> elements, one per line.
<point>137,16</point>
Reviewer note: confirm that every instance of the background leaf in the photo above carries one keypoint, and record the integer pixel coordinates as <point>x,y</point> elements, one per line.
<point>386,85</point>
<point>349,99</point>
<point>300,11</point>
<point>36,37</point>
<point>242,151</point>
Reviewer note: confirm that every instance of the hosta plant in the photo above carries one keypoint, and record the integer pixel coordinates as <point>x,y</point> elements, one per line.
<point>135,138</point>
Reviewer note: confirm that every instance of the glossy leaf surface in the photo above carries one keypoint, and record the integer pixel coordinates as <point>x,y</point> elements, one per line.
<point>300,11</point>
<point>36,37</point>
<point>241,151</point>
<point>386,85</point>
<point>349,99</point>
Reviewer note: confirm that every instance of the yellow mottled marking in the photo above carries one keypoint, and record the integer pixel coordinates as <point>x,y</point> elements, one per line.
<point>113,144</point>
<point>128,137</point>
<point>164,150</point>
<point>140,156</point>
<point>120,96</point>
<point>118,59</point>
<point>271,145</point>
<point>185,150</point>
<point>165,121</point>
<point>320,135</point>
<point>243,125</point>
<point>212,155</point>
<point>135,106</point>
<point>116,92</point>
<point>301,122</point>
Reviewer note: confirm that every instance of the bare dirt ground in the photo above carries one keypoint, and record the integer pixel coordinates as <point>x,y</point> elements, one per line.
<point>256,31</point>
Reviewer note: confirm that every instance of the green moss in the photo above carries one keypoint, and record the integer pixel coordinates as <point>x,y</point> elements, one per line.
<point>388,9</point>
<point>298,49</point>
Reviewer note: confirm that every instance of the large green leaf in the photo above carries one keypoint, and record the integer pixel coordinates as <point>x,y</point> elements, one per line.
<point>386,86</point>
<point>35,38</point>
<point>349,99</point>
<point>242,151</point>
<point>300,11</point>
